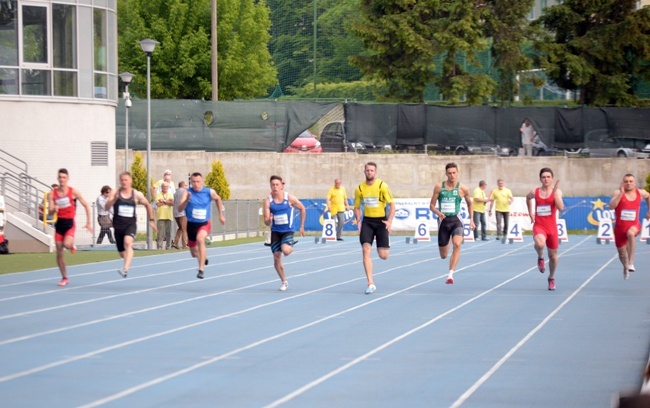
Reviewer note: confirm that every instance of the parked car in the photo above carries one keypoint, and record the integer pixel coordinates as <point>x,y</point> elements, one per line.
<point>542,149</point>
<point>306,142</point>
<point>601,145</point>
<point>334,139</point>
<point>474,141</point>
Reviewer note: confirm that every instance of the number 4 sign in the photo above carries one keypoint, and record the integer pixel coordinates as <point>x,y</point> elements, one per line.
<point>515,234</point>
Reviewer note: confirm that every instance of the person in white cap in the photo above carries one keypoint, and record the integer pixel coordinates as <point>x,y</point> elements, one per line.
<point>157,186</point>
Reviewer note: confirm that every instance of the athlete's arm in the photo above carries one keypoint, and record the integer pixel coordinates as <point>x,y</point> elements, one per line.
<point>141,199</point>
<point>184,200</point>
<point>303,212</point>
<point>217,199</point>
<point>529,203</point>
<point>357,208</point>
<point>77,195</point>
<point>266,210</point>
<point>645,195</point>
<point>468,199</point>
<point>434,201</point>
<point>616,198</point>
<point>557,193</point>
<point>112,198</point>
<point>51,208</point>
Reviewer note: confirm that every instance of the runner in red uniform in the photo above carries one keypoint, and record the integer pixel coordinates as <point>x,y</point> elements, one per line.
<point>62,201</point>
<point>626,204</point>
<point>548,199</point>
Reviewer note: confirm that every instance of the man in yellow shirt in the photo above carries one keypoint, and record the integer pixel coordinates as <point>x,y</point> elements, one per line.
<point>501,199</point>
<point>480,199</point>
<point>337,204</point>
<point>375,195</point>
<point>165,213</point>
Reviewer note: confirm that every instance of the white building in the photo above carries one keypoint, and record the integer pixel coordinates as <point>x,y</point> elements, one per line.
<point>58,90</point>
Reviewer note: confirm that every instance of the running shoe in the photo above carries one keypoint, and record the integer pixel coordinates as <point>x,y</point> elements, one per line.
<point>73,249</point>
<point>551,284</point>
<point>626,273</point>
<point>371,288</point>
<point>63,282</point>
<point>284,286</point>
<point>631,268</point>
<point>123,272</point>
<point>200,275</point>
<point>450,280</point>
<point>292,243</point>
<point>540,265</point>
<point>206,261</point>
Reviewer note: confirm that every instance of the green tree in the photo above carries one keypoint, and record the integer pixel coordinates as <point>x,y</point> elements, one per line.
<point>139,174</point>
<point>597,47</point>
<point>181,65</point>
<point>216,180</point>
<point>458,32</point>
<point>398,39</point>
<point>506,24</point>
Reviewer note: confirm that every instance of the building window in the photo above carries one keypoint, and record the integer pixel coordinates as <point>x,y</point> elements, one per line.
<point>100,53</point>
<point>64,49</point>
<point>35,34</point>
<point>8,33</point>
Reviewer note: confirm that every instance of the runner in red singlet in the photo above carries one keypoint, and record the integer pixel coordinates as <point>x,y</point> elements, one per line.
<point>548,199</point>
<point>62,201</point>
<point>626,204</point>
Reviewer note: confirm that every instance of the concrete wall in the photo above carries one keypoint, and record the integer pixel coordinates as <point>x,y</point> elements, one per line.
<point>408,175</point>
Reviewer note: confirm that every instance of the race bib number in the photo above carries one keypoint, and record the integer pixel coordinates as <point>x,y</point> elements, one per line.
<point>63,202</point>
<point>544,210</point>
<point>371,202</point>
<point>628,215</point>
<point>199,214</point>
<point>127,211</point>
<point>448,207</point>
<point>280,219</point>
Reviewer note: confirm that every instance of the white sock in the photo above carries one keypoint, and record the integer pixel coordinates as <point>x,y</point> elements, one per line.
<point>451,273</point>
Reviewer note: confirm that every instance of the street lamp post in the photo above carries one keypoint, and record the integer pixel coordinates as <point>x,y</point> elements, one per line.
<point>126,77</point>
<point>148,45</point>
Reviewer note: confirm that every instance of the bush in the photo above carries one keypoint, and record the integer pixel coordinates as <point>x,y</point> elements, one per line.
<point>139,174</point>
<point>647,183</point>
<point>216,180</point>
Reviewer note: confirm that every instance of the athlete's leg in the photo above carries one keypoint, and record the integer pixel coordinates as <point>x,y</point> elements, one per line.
<point>198,251</point>
<point>540,244</point>
<point>60,261</point>
<point>127,254</point>
<point>631,244</point>
<point>277,263</point>
<point>552,262</point>
<point>457,241</point>
<point>367,262</point>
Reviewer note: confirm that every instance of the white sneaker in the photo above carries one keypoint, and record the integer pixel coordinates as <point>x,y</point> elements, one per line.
<point>630,268</point>
<point>371,288</point>
<point>123,272</point>
<point>284,286</point>
<point>626,273</point>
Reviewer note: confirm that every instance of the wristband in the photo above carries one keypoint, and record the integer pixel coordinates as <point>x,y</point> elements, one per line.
<point>151,220</point>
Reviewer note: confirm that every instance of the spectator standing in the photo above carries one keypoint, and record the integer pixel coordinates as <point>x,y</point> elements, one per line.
<point>337,204</point>
<point>501,199</point>
<point>165,214</point>
<point>480,199</point>
<point>104,216</point>
<point>179,217</point>
<point>157,186</point>
<point>528,134</point>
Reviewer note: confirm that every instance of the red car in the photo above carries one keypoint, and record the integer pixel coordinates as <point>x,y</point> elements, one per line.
<point>306,142</point>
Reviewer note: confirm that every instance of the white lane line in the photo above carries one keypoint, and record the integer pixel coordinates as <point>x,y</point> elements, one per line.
<point>389,343</point>
<point>461,400</point>
<point>194,367</point>
<point>193,281</point>
<point>137,261</point>
<point>216,318</point>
